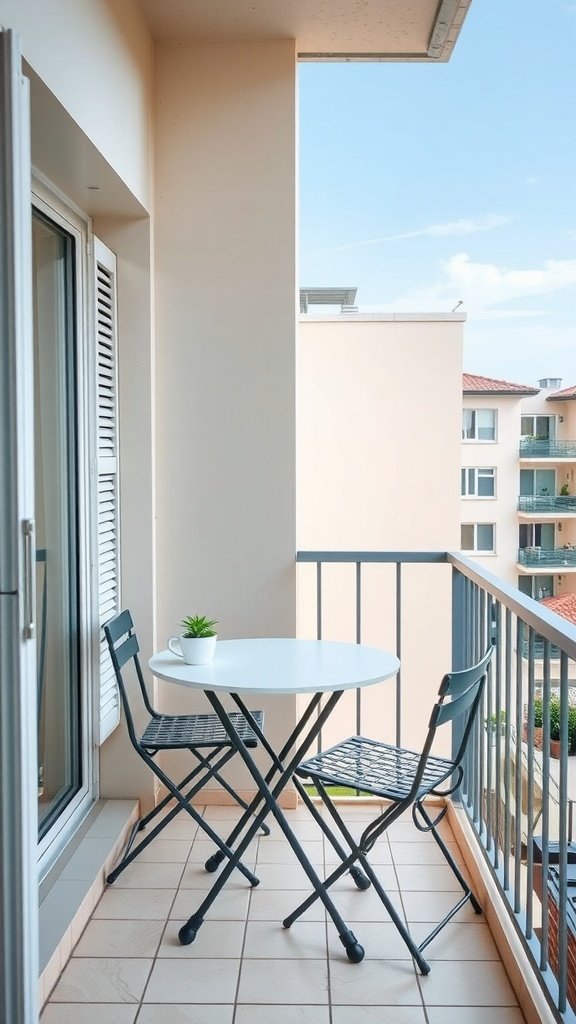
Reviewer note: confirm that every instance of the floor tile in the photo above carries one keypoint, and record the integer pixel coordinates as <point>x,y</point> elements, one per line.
<point>355,905</point>
<point>422,853</point>
<point>204,848</point>
<point>474,1015</point>
<point>120,938</point>
<point>475,983</point>
<point>276,904</point>
<point>283,981</point>
<point>252,1014</point>
<point>102,980</point>
<point>268,939</point>
<point>380,941</point>
<point>458,942</point>
<point>186,1014</point>
<point>285,876</point>
<point>230,905</point>
<point>149,876</point>
<point>215,939</point>
<point>82,1013</point>
<point>135,904</point>
<point>427,878</point>
<point>432,906</point>
<point>272,851</point>
<point>374,982</point>
<point>378,1015</point>
<point>167,851</point>
<point>196,981</point>
<point>195,876</point>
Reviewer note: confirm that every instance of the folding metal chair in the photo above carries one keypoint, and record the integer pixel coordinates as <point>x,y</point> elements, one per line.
<point>404,778</point>
<point>203,735</point>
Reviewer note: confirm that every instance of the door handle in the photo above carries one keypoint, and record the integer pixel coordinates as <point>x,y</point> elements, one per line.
<point>29,628</point>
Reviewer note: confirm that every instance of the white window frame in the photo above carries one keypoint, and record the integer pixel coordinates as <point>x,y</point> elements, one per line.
<point>467,494</point>
<point>538,416</point>
<point>54,206</point>
<point>475,439</point>
<point>475,549</point>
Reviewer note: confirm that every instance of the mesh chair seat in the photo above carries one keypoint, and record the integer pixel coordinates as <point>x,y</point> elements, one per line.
<point>172,731</point>
<point>377,768</point>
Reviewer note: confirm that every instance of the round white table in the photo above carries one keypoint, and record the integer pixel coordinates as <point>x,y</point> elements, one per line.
<point>277,666</point>
<point>280,666</point>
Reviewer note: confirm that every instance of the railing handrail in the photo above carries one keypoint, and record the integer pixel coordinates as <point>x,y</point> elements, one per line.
<point>547,623</point>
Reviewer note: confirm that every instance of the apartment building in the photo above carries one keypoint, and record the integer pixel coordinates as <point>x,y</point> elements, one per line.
<point>518,488</point>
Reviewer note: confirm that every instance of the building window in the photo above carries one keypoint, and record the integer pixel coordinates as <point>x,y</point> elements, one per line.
<point>537,587</point>
<point>477,537</point>
<point>478,482</point>
<point>541,428</point>
<point>479,424</point>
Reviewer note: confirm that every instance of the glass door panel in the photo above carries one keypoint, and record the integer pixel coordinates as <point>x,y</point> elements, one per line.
<point>56,506</point>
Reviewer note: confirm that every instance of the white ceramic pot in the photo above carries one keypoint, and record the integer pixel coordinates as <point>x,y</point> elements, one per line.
<point>195,650</point>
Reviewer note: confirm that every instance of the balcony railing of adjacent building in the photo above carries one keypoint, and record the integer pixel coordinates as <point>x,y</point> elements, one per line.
<point>535,448</point>
<point>517,799</point>
<point>541,557</point>
<point>561,504</point>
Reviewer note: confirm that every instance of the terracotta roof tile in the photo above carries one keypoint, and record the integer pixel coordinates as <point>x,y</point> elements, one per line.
<point>474,385</point>
<point>565,605</point>
<point>562,396</point>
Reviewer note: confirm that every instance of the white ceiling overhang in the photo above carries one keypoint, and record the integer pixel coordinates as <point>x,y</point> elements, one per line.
<point>350,30</point>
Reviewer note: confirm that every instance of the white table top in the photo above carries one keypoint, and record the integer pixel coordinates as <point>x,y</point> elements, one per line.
<point>280,666</point>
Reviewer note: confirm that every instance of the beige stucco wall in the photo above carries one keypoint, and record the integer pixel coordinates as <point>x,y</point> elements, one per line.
<point>378,413</point>
<point>96,58</point>
<point>225,292</point>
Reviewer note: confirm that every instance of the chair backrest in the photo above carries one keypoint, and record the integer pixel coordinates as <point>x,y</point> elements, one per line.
<point>124,647</point>
<point>464,688</point>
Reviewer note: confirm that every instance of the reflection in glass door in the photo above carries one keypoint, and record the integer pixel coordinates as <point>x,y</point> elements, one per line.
<point>56,506</point>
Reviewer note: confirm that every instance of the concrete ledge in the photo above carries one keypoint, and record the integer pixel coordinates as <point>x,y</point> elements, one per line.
<point>75,890</point>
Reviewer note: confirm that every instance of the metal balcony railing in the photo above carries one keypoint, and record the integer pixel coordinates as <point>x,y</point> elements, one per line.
<point>561,504</point>
<point>534,448</point>
<point>517,798</point>
<point>541,557</point>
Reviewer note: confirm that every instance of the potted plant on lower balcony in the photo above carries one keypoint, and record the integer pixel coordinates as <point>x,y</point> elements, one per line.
<point>554,715</point>
<point>538,721</point>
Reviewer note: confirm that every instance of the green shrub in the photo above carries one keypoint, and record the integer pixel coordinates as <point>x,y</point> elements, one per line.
<point>554,718</point>
<point>538,713</point>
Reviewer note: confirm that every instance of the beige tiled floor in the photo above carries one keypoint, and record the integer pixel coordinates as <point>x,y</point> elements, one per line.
<point>245,968</point>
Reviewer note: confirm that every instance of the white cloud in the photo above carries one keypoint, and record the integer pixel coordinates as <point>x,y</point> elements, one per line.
<point>483,287</point>
<point>464,226</point>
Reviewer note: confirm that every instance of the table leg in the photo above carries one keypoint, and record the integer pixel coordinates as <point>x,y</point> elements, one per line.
<point>269,797</point>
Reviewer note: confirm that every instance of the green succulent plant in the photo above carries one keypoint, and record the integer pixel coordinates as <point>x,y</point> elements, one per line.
<point>198,626</point>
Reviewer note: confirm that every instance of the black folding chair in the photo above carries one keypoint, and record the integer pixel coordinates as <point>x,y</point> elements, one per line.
<point>203,735</point>
<point>404,778</point>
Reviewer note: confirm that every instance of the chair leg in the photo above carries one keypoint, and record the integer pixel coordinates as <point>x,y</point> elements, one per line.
<point>449,858</point>
<point>356,873</point>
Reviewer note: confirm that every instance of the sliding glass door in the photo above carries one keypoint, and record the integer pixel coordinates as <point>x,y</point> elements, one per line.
<point>57,519</point>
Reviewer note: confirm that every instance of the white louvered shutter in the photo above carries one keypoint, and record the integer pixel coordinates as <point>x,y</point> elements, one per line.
<point>108,511</point>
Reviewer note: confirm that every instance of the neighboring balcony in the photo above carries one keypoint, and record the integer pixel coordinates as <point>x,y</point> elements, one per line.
<point>537,558</point>
<point>539,449</point>
<point>559,506</point>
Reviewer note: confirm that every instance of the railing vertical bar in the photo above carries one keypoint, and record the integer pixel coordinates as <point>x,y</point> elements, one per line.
<point>497,669</point>
<point>319,632</point>
<point>507,750</point>
<point>458,655</point>
<point>477,745</point>
<point>518,787</point>
<point>399,653</point>
<point>546,687</point>
<point>359,641</point>
<point>492,737</point>
<point>483,748</point>
<point>530,787</point>
<point>562,829</point>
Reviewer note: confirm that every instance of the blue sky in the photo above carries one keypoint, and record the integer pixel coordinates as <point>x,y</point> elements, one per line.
<point>425,184</point>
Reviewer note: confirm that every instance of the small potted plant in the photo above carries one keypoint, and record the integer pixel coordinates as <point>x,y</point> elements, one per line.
<point>554,715</point>
<point>538,720</point>
<point>197,643</point>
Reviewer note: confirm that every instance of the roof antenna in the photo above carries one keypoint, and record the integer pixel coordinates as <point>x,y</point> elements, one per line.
<point>459,303</point>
